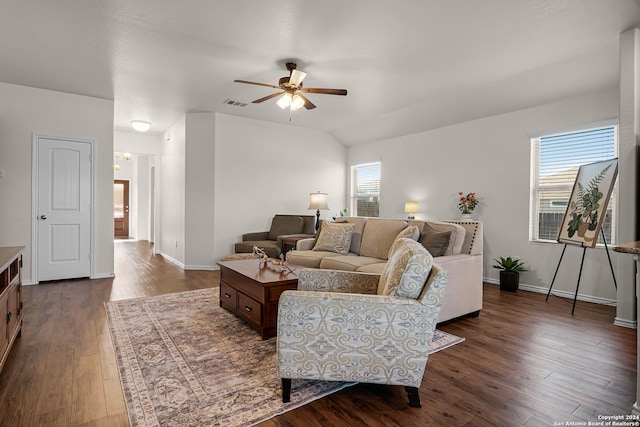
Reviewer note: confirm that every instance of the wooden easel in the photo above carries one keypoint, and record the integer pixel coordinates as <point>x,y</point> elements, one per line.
<point>584,251</point>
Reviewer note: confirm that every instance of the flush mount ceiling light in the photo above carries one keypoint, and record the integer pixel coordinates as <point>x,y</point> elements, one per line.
<point>140,126</point>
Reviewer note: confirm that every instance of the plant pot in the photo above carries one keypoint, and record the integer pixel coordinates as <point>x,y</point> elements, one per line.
<point>582,229</point>
<point>509,280</point>
<point>466,218</point>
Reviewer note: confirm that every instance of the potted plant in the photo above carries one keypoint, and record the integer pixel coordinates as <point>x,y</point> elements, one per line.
<point>467,204</point>
<point>510,269</point>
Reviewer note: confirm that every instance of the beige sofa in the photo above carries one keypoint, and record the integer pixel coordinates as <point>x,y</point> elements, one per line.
<point>372,238</point>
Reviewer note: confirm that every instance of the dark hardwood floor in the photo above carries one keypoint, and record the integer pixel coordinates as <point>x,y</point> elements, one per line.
<point>524,361</point>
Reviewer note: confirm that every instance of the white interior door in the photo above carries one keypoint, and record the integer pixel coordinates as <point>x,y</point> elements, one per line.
<point>63,209</point>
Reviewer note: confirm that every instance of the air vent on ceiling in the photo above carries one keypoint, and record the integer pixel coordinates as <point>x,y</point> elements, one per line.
<point>235,103</point>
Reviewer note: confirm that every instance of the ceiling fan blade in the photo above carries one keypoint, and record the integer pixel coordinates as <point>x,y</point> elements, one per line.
<point>255,83</point>
<point>324,91</point>
<point>296,78</point>
<point>307,104</point>
<point>266,98</point>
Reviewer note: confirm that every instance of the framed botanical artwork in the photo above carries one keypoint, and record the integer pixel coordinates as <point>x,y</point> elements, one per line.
<point>588,203</point>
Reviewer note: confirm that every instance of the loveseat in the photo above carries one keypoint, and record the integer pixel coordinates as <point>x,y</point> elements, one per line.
<point>281,225</point>
<point>455,245</point>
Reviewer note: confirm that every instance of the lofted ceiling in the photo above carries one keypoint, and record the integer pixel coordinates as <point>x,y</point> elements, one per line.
<point>408,65</point>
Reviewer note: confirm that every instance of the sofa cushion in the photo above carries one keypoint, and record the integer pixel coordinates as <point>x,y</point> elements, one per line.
<point>349,262</point>
<point>435,241</point>
<point>411,232</point>
<point>285,224</point>
<point>458,234</point>
<point>378,235</point>
<point>334,237</point>
<point>376,268</point>
<point>309,259</point>
<point>358,226</point>
<point>406,271</point>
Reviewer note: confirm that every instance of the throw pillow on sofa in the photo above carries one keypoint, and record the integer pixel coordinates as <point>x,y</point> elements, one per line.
<point>435,241</point>
<point>334,237</point>
<point>406,271</point>
<point>411,232</point>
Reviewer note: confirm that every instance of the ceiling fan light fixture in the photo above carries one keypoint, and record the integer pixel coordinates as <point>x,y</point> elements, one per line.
<point>296,102</point>
<point>140,126</point>
<point>285,100</point>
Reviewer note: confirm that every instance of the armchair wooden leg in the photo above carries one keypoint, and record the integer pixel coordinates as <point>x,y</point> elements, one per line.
<point>286,390</point>
<point>414,397</point>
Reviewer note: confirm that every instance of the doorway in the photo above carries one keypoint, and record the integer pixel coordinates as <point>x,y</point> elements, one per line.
<point>121,208</point>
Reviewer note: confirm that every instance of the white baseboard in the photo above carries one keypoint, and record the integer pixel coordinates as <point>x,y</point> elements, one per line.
<point>632,324</point>
<point>103,276</point>
<point>562,294</point>
<point>188,267</point>
<point>171,259</point>
<point>202,267</point>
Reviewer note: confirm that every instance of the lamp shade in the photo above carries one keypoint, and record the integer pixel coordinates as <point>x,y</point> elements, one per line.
<point>318,201</point>
<point>410,207</point>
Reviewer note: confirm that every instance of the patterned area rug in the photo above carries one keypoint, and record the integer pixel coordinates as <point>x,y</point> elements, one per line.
<point>184,361</point>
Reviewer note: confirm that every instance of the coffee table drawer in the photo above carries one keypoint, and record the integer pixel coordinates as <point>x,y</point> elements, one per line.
<point>249,309</point>
<point>228,297</point>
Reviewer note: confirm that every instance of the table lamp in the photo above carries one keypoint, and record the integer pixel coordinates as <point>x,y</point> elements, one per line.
<point>411,208</point>
<point>318,201</point>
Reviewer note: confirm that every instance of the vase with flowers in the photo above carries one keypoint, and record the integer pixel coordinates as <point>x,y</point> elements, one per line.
<point>467,204</point>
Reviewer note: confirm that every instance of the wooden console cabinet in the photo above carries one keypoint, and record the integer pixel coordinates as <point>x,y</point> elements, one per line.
<point>10,298</point>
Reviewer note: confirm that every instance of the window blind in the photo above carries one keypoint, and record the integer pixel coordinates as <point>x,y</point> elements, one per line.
<point>365,190</point>
<point>555,160</point>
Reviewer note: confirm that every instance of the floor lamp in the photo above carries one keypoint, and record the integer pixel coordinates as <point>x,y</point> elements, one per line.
<point>318,201</point>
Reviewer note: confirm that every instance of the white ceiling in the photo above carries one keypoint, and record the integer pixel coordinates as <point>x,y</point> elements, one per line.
<point>409,66</point>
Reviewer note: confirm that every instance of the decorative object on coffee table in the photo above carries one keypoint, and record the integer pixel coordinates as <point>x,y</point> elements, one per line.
<point>467,204</point>
<point>318,201</point>
<point>510,269</point>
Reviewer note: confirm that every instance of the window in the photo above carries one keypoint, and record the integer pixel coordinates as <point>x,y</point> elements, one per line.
<point>365,189</point>
<point>555,160</point>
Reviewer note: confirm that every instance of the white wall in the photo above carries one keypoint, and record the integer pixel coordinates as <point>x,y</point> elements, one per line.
<point>199,190</point>
<point>491,157</point>
<point>263,169</point>
<point>171,239</point>
<point>25,111</point>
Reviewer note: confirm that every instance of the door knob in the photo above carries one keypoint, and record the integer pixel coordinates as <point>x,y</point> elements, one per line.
<point>43,217</point>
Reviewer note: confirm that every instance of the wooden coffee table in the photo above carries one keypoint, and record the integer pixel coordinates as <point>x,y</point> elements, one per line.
<point>252,294</point>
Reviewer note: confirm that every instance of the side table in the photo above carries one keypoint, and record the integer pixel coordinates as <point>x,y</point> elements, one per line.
<point>290,240</point>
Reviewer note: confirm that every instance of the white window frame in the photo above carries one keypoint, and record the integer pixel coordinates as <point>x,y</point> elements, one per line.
<point>354,186</point>
<point>535,186</point>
